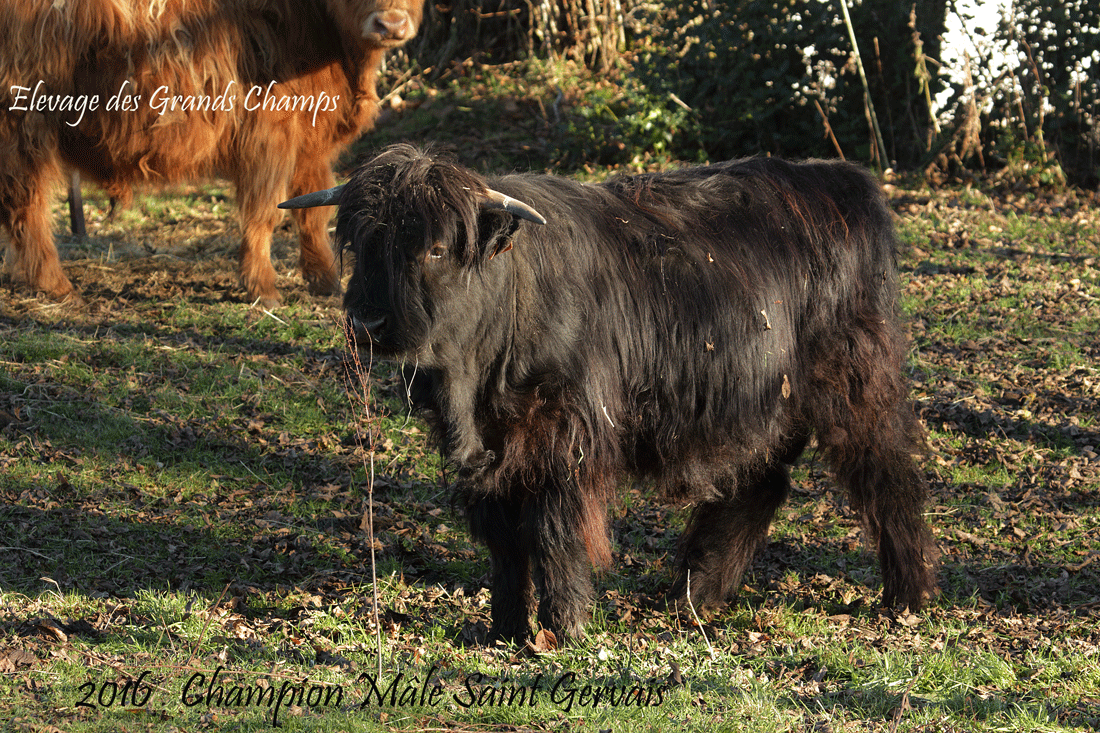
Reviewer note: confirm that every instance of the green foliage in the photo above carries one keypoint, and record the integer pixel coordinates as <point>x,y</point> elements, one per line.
<point>777,77</point>
<point>1029,161</point>
<point>1054,101</point>
<point>762,76</point>
<point>627,124</point>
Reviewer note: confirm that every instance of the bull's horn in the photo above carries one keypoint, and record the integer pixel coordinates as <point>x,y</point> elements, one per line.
<point>328,197</point>
<point>503,202</point>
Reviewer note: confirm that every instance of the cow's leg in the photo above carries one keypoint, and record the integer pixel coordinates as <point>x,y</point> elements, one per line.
<point>888,489</point>
<point>315,252</point>
<point>723,536</point>
<point>499,524</point>
<point>570,537</point>
<point>869,436</point>
<point>264,171</point>
<point>254,256</point>
<point>24,212</point>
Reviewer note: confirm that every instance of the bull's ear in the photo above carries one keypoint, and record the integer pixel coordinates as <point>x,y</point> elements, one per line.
<point>500,234</point>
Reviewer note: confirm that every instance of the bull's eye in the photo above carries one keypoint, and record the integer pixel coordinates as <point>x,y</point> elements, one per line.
<point>437,252</point>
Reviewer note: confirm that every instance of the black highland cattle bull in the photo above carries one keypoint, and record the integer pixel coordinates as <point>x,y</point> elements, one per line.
<point>693,327</point>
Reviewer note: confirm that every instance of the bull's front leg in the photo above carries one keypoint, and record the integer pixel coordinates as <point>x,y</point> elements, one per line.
<point>722,537</point>
<point>570,536</point>
<point>254,256</point>
<point>499,524</point>
<point>463,441</point>
<point>536,539</point>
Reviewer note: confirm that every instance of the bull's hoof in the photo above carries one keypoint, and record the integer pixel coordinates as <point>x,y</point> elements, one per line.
<point>69,297</point>
<point>704,596</point>
<point>72,299</point>
<point>263,294</point>
<point>259,281</point>
<point>517,635</point>
<point>672,602</point>
<point>913,601</point>
<point>57,288</point>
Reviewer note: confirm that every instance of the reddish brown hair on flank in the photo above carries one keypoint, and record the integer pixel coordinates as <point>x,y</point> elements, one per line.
<point>264,92</point>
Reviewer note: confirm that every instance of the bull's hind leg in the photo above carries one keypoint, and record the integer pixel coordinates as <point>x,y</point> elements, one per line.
<point>888,489</point>
<point>869,436</point>
<point>499,524</point>
<point>723,536</point>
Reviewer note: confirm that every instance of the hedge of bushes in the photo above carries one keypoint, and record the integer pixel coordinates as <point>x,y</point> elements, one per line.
<point>716,79</point>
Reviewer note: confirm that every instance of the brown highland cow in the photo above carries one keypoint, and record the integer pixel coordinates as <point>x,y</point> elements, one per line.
<point>265,92</point>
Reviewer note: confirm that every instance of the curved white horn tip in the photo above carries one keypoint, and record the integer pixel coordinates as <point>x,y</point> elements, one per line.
<point>497,200</point>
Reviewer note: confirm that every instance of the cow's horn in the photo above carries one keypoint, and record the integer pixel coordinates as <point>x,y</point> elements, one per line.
<point>328,197</point>
<point>503,202</point>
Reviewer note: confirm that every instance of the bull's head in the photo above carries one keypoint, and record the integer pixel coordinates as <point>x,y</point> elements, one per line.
<point>421,230</point>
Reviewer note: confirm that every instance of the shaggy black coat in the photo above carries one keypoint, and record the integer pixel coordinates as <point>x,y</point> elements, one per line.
<point>692,327</point>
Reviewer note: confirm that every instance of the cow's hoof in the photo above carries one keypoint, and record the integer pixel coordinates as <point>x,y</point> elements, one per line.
<point>268,301</point>
<point>323,283</point>
<point>71,299</point>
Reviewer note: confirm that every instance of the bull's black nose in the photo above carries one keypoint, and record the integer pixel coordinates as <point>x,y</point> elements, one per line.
<point>363,332</point>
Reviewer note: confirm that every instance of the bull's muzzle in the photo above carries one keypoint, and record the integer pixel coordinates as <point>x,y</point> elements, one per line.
<point>363,333</point>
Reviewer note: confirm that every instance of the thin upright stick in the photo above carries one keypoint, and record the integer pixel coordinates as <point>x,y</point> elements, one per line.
<point>700,623</point>
<point>357,372</point>
<point>866,87</point>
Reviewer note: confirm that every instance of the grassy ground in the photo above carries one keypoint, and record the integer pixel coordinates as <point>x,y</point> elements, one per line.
<point>183,479</point>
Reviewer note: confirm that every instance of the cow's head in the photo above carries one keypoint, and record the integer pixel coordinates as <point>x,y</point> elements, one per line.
<point>381,23</point>
<point>423,232</point>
